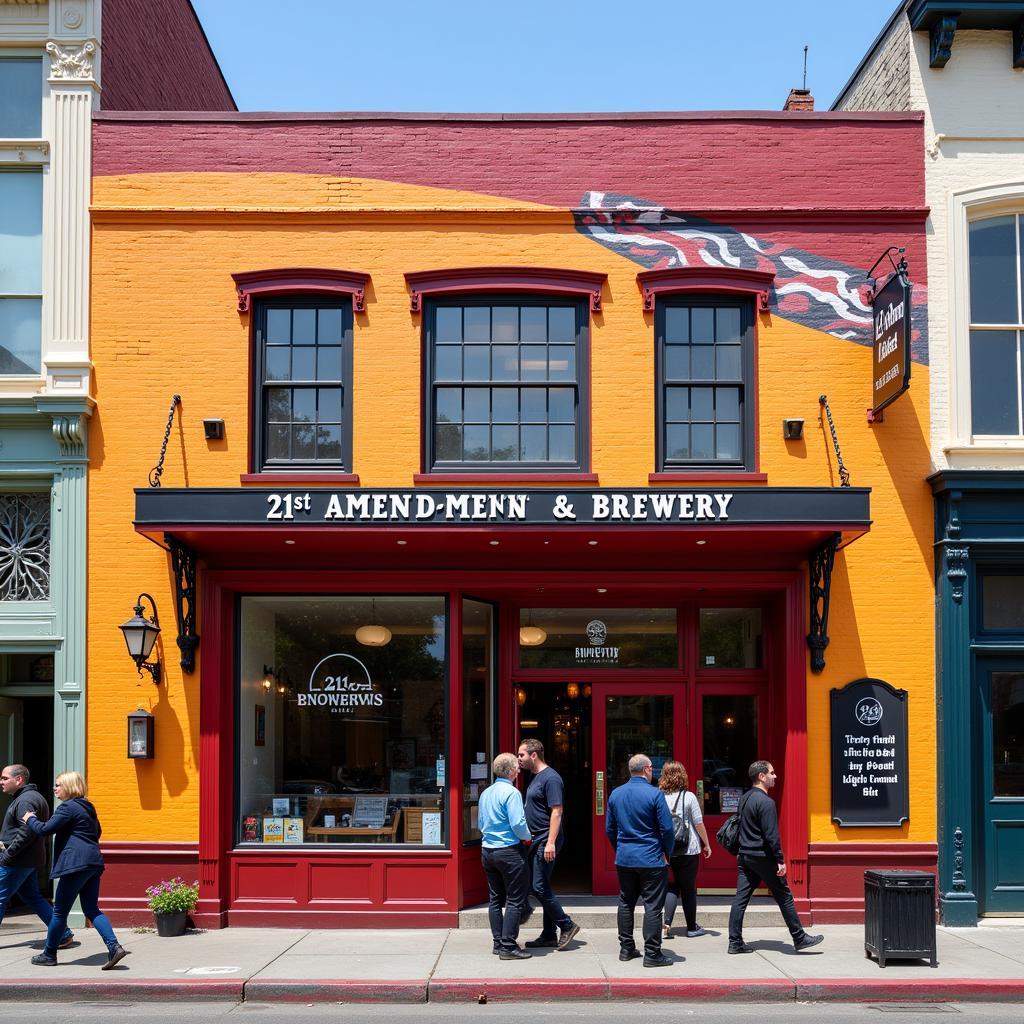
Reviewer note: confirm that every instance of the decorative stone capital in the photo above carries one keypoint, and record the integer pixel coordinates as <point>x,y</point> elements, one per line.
<point>69,432</point>
<point>72,63</point>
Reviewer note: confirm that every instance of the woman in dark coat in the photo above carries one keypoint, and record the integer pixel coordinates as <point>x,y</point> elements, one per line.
<point>77,866</point>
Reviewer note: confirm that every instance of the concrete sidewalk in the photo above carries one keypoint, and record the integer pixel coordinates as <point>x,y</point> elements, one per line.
<point>269,964</point>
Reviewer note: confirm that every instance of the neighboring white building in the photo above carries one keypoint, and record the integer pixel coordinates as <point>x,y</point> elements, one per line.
<point>51,55</point>
<point>963,65</point>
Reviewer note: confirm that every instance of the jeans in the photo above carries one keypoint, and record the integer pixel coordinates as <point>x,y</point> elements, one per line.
<point>25,883</point>
<point>84,884</point>
<point>648,885</point>
<point>683,890</point>
<point>752,871</point>
<point>540,882</point>
<point>507,888</point>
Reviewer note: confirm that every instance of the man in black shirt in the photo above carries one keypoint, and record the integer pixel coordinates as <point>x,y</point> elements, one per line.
<point>545,799</point>
<point>760,859</point>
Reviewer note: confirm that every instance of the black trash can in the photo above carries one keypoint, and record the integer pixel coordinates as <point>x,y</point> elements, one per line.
<point>899,916</point>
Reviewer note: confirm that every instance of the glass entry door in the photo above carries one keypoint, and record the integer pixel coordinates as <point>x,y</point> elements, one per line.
<point>628,720</point>
<point>1002,803</point>
<point>729,724</point>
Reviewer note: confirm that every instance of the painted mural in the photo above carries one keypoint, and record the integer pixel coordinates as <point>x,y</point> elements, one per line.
<point>813,290</point>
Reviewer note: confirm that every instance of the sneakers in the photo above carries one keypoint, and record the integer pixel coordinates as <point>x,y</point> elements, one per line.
<point>568,934</point>
<point>515,954</point>
<point>114,956</point>
<point>666,931</point>
<point>741,948</point>
<point>807,941</point>
<point>696,933</point>
<point>541,943</point>
<point>495,950</point>
<point>628,954</point>
<point>658,961</point>
<point>44,960</point>
<point>68,941</point>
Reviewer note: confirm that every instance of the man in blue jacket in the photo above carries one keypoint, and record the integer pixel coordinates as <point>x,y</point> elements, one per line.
<point>639,827</point>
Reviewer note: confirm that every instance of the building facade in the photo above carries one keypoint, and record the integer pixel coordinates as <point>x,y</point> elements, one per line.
<point>963,70</point>
<point>50,75</point>
<point>472,428</point>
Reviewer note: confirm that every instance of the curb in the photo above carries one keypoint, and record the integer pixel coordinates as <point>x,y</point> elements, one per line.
<point>333,991</point>
<point>64,990</point>
<point>508,990</point>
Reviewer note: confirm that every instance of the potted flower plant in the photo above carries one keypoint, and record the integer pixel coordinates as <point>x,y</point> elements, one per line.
<point>171,902</point>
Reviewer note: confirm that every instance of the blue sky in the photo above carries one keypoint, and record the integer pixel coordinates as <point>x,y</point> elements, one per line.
<point>536,55</point>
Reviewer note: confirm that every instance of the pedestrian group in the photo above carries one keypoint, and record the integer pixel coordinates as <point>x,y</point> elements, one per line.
<point>655,832</point>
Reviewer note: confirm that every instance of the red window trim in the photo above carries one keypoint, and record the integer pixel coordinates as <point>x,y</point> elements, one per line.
<point>468,280</point>
<point>699,476</point>
<point>496,479</point>
<point>296,280</point>
<point>735,281</point>
<point>327,478</point>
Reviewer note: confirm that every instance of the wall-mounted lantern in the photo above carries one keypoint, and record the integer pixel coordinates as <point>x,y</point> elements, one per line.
<point>140,635</point>
<point>140,735</point>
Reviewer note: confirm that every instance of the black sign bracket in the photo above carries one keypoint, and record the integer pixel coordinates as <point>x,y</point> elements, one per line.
<point>821,562</point>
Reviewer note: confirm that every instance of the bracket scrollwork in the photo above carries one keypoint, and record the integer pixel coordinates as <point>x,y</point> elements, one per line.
<point>183,565</point>
<point>941,33</point>
<point>959,874</point>
<point>956,571</point>
<point>822,560</point>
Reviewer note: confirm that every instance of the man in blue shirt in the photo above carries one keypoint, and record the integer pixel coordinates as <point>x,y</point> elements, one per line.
<point>639,827</point>
<point>502,821</point>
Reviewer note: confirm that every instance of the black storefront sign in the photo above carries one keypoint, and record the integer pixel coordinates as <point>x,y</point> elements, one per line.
<point>869,754</point>
<point>890,362</point>
<point>327,508</point>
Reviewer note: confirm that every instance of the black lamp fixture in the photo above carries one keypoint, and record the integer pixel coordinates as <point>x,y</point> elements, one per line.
<point>140,635</point>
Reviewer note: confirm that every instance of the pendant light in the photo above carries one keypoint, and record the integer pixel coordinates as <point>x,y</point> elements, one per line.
<point>531,635</point>
<point>373,634</point>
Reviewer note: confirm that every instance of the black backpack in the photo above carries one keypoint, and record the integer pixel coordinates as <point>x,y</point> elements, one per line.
<point>728,835</point>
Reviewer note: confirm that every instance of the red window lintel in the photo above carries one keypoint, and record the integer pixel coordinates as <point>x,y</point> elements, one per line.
<point>730,280</point>
<point>505,279</point>
<point>301,280</point>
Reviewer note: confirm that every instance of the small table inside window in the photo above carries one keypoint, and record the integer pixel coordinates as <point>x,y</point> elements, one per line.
<point>319,805</point>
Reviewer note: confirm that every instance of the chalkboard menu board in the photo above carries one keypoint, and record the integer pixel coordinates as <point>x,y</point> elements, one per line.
<point>869,754</point>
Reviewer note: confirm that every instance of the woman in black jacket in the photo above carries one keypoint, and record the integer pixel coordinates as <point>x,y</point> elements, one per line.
<point>77,866</point>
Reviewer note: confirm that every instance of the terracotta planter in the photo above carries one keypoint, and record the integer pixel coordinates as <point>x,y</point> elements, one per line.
<point>171,924</point>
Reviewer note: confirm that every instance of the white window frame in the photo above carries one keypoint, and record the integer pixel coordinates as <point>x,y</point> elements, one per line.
<point>964,207</point>
<point>26,154</point>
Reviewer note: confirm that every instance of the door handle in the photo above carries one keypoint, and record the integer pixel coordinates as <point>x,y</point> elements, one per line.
<point>599,794</point>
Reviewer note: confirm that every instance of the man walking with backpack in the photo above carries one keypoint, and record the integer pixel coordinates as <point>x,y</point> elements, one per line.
<point>760,860</point>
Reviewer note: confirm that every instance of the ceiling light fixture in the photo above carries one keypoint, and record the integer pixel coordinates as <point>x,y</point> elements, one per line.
<point>373,634</point>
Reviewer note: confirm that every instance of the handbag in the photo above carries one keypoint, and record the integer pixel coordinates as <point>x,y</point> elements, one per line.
<point>728,835</point>
<point>681,828</point>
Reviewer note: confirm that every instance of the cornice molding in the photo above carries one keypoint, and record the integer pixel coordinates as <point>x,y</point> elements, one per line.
<point>301,280</point>
<point>468,280</point>
<point>728,280</point>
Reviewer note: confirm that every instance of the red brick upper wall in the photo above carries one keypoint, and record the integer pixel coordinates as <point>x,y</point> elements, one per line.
<point>156,57</point>
<point>736,161</point>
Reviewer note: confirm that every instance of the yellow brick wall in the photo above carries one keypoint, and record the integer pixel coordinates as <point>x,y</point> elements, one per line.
<point>164,320</point>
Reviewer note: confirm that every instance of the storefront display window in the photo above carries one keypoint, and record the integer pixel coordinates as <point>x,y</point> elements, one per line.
<point>478,719</point>
<point>342,716</point>
<point>598,638</point>
<point>730,638</point>
<point>729,725</point>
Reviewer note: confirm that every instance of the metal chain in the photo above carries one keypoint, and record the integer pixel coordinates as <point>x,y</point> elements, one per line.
<point>157,471</point>
<point>844,473</point>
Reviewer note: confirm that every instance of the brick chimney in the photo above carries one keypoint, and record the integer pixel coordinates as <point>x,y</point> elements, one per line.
<point>799,99</point>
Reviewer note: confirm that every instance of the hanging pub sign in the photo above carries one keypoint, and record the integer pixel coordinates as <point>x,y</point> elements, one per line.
<point>890,361</point>
<point>869,754</point>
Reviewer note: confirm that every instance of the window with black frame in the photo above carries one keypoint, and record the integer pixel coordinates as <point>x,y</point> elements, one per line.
<point>506,384</point>
<point>303,372</point>
<point>705,370</point>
